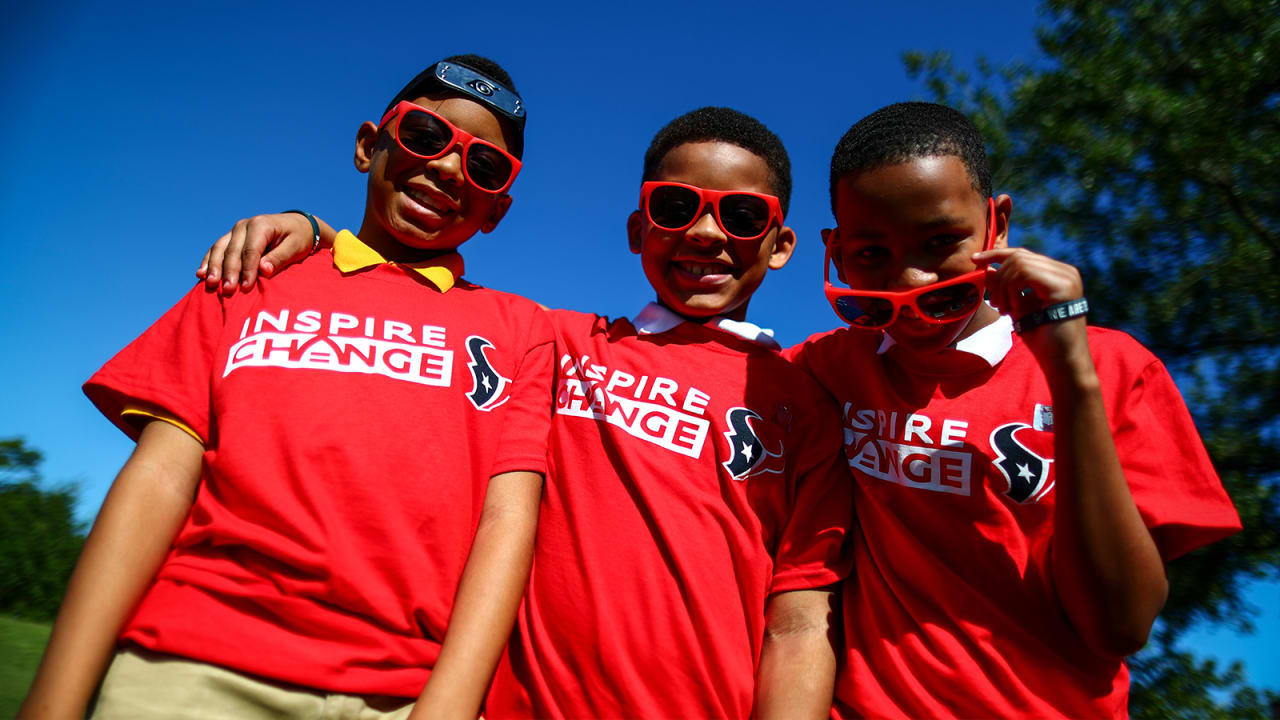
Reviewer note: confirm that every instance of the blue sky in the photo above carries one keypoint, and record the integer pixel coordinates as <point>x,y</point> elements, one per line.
<point>136,133</point>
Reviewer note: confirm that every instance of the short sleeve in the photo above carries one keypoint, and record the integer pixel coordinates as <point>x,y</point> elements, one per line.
<point>1173,482</point>
<point>796,355</point>
<point>812,551</point>
<point>169,367</point>
<point>826,355</point>
<point>527,422</point>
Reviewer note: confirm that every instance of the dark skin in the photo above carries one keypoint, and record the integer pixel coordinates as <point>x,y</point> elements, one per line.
<point>1112,579</point>
<point>131,536</point>
<point>415,209</point>
<point>698,273</point>
<point>701,272</point>
<point>919,222</point>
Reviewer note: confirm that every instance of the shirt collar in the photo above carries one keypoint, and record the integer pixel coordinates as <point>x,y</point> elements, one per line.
<point>990,343</point>
<point>654,319</point>
<point>351,254</point>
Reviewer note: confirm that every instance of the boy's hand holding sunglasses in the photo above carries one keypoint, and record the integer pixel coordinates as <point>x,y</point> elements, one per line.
<point>941,302</point>
<point>1045,297</point>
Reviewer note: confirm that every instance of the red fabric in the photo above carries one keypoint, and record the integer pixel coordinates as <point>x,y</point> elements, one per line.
<point>338,500</point>
<point>951,610</point>
<point>653,565</point>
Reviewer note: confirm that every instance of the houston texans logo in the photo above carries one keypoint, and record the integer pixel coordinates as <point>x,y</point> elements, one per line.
<point>1027,472</point>
<point>749,457</point>
<point>488,390</point>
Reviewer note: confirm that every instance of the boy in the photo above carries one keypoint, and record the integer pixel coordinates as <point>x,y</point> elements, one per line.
<point>1019,485</point>
<point>695,507</point>
<point>316,456</point>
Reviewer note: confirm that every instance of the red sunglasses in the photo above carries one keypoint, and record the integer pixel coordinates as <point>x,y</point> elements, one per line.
<point>940,302</point>
<point>741,215</point>
<point>426,135</point>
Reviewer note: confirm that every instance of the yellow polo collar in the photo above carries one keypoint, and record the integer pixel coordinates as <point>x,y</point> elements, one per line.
<point>350,254</point>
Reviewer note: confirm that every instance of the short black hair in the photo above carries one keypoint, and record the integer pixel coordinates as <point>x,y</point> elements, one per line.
<point>425,83</point>
<point>904,131</point>
<point>722,124</point>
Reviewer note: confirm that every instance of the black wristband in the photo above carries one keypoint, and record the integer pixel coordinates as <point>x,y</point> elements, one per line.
<point>315,228</point>
<point>1058,312</point>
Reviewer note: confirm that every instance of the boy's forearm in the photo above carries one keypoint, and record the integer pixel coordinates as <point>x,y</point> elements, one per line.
<point>1110,574</point>
<point>489,593</point>
<point>797,671</point>
<point>142,513</point>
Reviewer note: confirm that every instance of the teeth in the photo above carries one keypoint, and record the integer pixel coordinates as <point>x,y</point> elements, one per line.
<point>425,200</point>
<point>700,270</point>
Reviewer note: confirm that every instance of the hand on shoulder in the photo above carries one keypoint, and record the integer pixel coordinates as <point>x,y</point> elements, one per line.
<point>236,258</point>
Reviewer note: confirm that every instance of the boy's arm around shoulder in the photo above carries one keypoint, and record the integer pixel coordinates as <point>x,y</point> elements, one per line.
<point>133,533</point>
<point>235,259</point>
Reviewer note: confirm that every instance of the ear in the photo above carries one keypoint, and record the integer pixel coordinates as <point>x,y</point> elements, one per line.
<point>499,211</point>
<point>635,226</point>
<point>1004,208</point>
<point>366,143</point>
<point>828,237</point>
<point>784,243</point>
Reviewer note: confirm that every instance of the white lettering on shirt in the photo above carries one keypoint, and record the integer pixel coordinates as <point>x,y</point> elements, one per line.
<point>652,409</point>
<point>884,446</point>
<point>352,344</point>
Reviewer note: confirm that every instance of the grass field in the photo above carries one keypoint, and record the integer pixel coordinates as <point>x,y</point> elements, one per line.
<point>21,643</point>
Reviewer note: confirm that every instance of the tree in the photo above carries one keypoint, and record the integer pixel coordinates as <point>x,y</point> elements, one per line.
<point>39,536</point>
<point>1144,146</point>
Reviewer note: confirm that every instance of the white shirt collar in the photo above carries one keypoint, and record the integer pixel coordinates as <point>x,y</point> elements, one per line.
<point>991,343</point>
<point>654,319</point>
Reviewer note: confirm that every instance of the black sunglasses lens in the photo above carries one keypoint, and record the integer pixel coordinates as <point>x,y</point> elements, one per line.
<point>424,134</point>
<point>865,312</point>
<point>951,302</point>
<point>488,169</point>
<point>672,208</point>
<point>744,216</point>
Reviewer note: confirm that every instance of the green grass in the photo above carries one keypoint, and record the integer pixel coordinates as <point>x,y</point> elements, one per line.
<point>21,643</point>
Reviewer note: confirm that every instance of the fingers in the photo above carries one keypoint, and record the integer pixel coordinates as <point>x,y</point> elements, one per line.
<point>1026,281</point>
<point>272,242</point>
<point>998,255</point>
<point>278,257</point>
<point>213,261</point>
<point>259,232</point>
<point>203,269</point>
<point>238,257</point>
<point>230,261</point>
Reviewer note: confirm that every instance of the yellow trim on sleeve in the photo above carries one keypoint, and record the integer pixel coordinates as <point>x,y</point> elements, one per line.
<point>134,411</point>
<point>350,254</point>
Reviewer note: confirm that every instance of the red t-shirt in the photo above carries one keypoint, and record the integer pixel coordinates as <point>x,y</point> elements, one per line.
<point>952,609</point>
<point>351,425</point>
<point>693,474</point>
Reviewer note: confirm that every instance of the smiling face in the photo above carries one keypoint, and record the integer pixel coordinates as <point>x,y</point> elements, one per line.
<point>912,224</point>
<point>416,208</point>
<point>700,272</point>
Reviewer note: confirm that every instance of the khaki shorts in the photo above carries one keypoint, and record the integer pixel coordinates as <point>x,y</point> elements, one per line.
<point>142,685</point>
